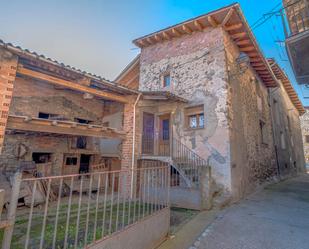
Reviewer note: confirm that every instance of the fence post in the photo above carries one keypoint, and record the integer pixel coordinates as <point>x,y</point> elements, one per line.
<point>8,231</point>
<point>205,187</point>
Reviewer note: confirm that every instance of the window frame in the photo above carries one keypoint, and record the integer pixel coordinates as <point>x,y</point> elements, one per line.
<point>166,74</point>
<point>194,111</point>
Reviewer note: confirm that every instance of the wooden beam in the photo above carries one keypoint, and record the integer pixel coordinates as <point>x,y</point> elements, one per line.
<point>212,21</point>
<point>255,59</point>
<point>239,35</point>
<point>257,64</point>
<point>198,25</point>
<point>61,127</point>
<point>149,40</point>
<point>227,17</point>
<point>243,42</point>
<point>252,54</point>
<point>166,36</point>
<point>158,38</point>
<point>233,27</point>
<point>176,32</point>
<point>247,49</point>
<point>71,85</point>
<point>186,29</point>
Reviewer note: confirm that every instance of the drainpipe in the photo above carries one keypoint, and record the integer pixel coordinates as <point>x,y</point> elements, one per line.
<point>133,145</point>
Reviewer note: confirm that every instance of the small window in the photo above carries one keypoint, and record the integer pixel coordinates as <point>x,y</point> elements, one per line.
<point>50,116</point>
<point>282,140</point>
<point>195,117</point>
<point>82,121</point>
<point>167,80</point>
<point>38,157</point>
<point>263,132</point>
<point>81,143</point>
<point>71,161</point>
<point>307,139</point>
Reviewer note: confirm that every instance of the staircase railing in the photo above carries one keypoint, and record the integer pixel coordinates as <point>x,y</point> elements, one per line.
<point>187,160</point>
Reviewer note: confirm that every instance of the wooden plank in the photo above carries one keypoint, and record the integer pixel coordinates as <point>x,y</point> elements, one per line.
<point>244,42</point>
<point>71,85</point>
<point>60,127</point>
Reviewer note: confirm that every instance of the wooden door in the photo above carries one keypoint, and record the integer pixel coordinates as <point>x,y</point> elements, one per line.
<point>148,133</point>
<point>164,135</point>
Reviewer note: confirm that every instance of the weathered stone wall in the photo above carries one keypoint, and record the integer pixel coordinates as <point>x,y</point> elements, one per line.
<point>287,133</point>
<point>252,159</point>
<point>196,64</point>
<point>304,122</point>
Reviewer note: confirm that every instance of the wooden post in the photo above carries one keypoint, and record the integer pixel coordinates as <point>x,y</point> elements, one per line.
<point>205,187</point>
<point>2,194</point>
<point>8,231</point>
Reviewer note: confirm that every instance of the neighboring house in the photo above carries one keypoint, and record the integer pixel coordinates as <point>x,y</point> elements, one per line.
<point>297,37</point>
<point>209,91</point>
<point>56,120</point>
<point>305,130</point>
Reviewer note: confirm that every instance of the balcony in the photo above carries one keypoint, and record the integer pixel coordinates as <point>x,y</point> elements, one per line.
<point>296,27</point>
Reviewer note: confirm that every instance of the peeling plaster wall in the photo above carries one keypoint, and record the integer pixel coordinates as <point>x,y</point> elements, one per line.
<point>252,159</point>
<point>197,67</point>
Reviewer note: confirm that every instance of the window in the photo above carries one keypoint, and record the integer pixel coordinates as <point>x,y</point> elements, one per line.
<point>263,132</point>
<point>44,115</point>
<point>195,117</point>
<point>81,143</point>
<point>38,157</point>
<point>307,139</point>
<point>282,140</point>
<point>167,80</point>
<point>82,121</point>
<point>71,161</point>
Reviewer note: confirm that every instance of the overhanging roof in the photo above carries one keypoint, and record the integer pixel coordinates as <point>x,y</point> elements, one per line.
<point>280,75</point>
<point>232,20</point>
<point>100,83</point>
<point>162,95</point>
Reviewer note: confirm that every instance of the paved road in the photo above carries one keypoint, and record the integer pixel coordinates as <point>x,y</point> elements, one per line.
<point>275,218</point>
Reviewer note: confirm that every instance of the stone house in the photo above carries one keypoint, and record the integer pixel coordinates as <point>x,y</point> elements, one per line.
<point>200,96</point>
<point>207,86</point>
<point>305,132</point>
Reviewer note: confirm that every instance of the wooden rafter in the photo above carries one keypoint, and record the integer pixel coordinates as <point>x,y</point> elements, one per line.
<point>166,36</point>
<point>186,29</point>
<point>212,21</point>
<point>243,42</point>
<point>198,25</point>
<point>233,27</point>
<point>176,32</point>
<point>71,85</point>
<point>239,35</point>
<point>247,49</point>
<point>227,17</point>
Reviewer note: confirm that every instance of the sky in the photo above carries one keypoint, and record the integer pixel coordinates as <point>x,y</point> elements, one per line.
<point>96,35</point>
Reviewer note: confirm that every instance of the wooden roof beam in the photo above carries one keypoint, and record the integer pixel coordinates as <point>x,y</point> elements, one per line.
<point>198,25</point>
<point>176,32</point>
<point>233,27</point>
<point>239,35</point>
<point>247,49</point>
<point>227,17</point>
<point>166,36</point>
<point>158,38</point>
<point>186,29</point>
<point>71,85</point>
<point>212,21</point>
<point>243,42</point>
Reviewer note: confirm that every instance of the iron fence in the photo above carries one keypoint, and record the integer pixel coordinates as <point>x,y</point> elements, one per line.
<point>73,211</point>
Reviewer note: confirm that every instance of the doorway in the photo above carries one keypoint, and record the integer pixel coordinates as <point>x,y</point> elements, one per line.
<point>164,135</point>
<point>148,133</point>
<point>84,164</point>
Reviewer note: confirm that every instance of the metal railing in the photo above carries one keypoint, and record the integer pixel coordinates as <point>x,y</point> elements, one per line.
<point>296,15</point>
<point>188,162</point>
<point>73,211</point>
